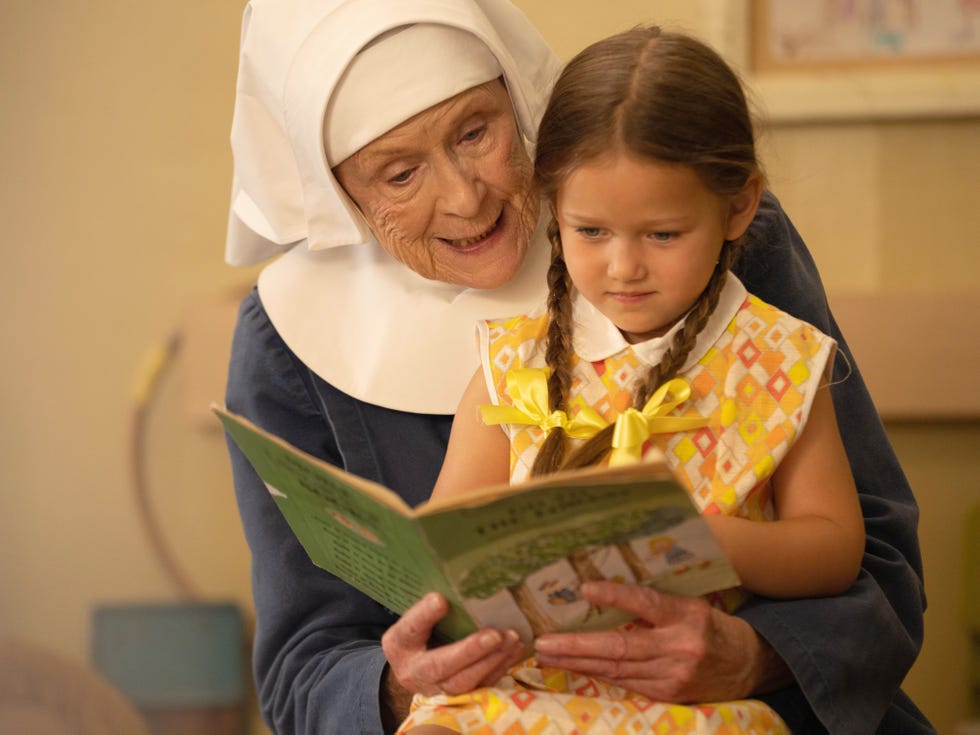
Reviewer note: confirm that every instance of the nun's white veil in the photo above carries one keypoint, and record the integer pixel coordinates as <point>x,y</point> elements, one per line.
<point>358,318</point>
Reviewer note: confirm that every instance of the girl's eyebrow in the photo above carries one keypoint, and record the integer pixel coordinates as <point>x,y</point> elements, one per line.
<point>666,222</point>
<point>578,216</point>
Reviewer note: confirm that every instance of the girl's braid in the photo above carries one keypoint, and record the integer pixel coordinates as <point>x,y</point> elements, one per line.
<point>558,354</point>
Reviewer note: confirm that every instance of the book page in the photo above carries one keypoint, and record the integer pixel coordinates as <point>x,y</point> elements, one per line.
<point>361,532</point>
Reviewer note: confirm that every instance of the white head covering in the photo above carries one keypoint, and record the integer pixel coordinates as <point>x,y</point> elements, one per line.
<point>442,62</point>
<point>358,318</point>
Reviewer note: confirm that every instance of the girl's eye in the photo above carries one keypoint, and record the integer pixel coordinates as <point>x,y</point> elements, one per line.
<point>662,236</point>
<point>589,232</point>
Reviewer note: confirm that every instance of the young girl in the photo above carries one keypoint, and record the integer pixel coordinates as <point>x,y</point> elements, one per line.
<point>646,156</point>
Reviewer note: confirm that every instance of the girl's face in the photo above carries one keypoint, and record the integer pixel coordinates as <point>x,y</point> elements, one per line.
<point>641,237</point>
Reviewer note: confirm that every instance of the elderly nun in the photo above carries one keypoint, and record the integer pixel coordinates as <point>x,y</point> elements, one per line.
<point>381,152</point>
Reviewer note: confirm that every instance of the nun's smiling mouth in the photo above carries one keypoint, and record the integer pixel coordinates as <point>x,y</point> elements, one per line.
<point>469,242</point>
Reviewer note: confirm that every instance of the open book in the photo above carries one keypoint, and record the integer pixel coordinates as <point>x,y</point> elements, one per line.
<point>506,556</point>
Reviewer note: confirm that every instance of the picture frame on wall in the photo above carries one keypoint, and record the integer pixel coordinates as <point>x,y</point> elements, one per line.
<point>819,60</point>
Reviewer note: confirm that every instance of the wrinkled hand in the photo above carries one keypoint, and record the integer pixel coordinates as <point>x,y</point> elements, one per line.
<point>477,660</point>
<point>683,650</point>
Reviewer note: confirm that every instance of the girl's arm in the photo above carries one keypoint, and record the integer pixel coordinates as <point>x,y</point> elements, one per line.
<point>815,545</point>
<point>478,455</point>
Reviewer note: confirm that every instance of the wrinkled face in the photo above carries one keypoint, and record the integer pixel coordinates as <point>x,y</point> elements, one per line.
<point>447,191</point>
<point>641,239</point>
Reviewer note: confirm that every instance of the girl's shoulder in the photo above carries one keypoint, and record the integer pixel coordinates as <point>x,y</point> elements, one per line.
<point>516,341</point>
<point>766,316</point>
<point>530,325</point>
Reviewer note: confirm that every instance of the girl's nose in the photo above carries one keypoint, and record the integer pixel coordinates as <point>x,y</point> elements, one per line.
<point>626,261</point>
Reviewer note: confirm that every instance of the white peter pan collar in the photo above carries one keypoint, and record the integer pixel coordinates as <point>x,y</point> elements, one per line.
<point>596,338</point>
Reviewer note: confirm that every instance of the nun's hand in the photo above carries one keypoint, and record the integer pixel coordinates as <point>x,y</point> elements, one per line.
<point>681,650</point>
<point>477,660</point>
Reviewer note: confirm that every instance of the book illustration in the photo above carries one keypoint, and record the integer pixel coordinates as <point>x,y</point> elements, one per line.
<point>535,583</point>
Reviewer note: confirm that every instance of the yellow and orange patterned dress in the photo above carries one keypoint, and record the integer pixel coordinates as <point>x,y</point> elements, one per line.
<point>753,375</point>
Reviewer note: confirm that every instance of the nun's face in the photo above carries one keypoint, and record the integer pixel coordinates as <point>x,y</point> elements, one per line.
<point>447,192</point>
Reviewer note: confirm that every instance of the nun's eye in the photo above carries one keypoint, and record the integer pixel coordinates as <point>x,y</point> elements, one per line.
<point>402,177</point>
<point>472,135</point>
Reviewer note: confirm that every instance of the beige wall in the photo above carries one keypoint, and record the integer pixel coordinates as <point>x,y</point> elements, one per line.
<point>113,139</point>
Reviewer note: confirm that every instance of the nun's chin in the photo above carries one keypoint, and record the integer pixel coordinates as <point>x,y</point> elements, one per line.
<point>494,260</point>
<point>488,266</point>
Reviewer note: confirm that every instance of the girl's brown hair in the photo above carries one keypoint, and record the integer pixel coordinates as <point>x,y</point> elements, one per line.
<point>663,96</point>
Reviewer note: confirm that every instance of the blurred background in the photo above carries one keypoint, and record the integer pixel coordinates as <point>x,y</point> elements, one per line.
<point>117,516</point>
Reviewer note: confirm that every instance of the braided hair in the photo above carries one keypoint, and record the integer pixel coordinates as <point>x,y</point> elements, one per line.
<point>666,97</point>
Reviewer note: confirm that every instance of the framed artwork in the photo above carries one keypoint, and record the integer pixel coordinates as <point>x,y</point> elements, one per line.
<point>853,59</point>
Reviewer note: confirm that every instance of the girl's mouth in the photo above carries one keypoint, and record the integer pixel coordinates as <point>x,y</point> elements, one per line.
<point>629,294</point>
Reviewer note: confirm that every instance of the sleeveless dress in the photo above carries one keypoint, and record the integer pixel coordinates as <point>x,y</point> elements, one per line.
<point>753,375</point>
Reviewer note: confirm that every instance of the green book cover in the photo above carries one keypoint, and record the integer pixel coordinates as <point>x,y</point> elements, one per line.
<point>504,556</point>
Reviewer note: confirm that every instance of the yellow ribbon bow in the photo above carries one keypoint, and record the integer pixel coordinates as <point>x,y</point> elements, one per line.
<point>528,390</point>
<point>634,427</point>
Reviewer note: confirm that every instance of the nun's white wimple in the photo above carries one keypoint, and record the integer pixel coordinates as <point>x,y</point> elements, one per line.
<point>360,320</point>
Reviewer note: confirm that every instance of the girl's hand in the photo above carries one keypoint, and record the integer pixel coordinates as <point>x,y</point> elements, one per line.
<point>682,651</point>
<point>477,660</point>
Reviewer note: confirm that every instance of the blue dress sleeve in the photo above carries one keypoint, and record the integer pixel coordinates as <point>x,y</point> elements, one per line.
<point>826,641</point>
<point>317,657</point>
